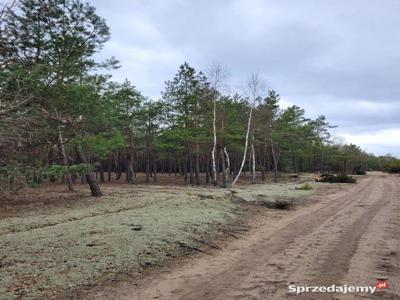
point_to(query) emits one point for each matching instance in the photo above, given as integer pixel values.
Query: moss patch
(47, 251)
(56, 251)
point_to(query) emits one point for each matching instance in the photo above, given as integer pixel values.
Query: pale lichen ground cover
(51, 251)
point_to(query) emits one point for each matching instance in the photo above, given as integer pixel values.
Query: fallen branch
(183, 245)
(235, 230)
(230, 233)
(240, 225)
(208, 243)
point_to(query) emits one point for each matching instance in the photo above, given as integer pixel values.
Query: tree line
(62, 118)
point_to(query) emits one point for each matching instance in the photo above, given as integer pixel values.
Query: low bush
(281, 204)
(326, 178)
(341, 178)
(304, 187)
(17, 177)
(358, 170)
(392, 166)
(344, 178)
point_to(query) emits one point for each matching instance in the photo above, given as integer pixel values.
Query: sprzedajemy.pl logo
(344, 289)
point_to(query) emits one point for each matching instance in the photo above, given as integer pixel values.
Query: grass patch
(276, 196)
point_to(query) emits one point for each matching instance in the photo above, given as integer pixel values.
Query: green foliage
(340, 178)
(184, 94)
(101, 145)
(392, 166)
(12, 178)
(359, 170)
(124, 101)
(55, 172)
(186, 97)
(16, 177)
(305, 187)
(49, 88)
(231, 115)
(61, 35)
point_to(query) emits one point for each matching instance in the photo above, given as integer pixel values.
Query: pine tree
(185, 96)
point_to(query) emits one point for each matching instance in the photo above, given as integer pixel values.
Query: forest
(218, 187)
(64, 119)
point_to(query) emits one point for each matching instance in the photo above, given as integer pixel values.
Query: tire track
(314, 244)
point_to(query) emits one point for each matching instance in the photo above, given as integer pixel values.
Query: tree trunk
(228, 164)
(294, 162)
(129, 167)
(264, 161)
(109, 169)
(147, 165)
(191, 179)
(83, 179)
(253, 165)
(94, 187)
(64, 159)
(175, 169)
(321, 168)
(130, 158)
(223, 164)
(275, 159)
(185, 169)
(154, 168)
(197, 165)
(245, 149)
(207, 169)
(213, 153)
(101, 167)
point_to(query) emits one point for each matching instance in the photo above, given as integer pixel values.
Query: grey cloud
(327, 56)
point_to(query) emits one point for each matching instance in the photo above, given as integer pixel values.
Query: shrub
(305, 187)
(341, 178)
(344, 178)
(358, 170)
(12, 178)
(327, 178)
(392, 166)
(281, 204)
(17, 177)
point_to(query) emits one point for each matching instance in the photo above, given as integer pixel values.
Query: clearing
(54, 243)
(348, 237)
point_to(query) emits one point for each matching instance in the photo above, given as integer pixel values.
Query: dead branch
(208, 243)
(7, 8)
(183, 245)
(230, 233)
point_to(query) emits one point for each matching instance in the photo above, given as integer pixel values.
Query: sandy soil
(348, 237)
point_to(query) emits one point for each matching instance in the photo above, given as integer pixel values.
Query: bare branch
(6, 8)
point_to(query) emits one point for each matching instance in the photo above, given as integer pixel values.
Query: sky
(339, 58)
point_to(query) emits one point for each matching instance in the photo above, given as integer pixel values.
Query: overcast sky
(340, 58)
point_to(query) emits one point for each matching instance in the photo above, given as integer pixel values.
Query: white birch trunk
(214, 168)
(253, 168)
(245, 149)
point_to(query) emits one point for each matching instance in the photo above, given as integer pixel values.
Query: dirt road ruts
(349, 237)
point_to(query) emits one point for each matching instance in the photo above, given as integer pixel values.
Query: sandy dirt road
(349, 237)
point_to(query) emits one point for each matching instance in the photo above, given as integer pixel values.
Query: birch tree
(216, 76)
(254, 85)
